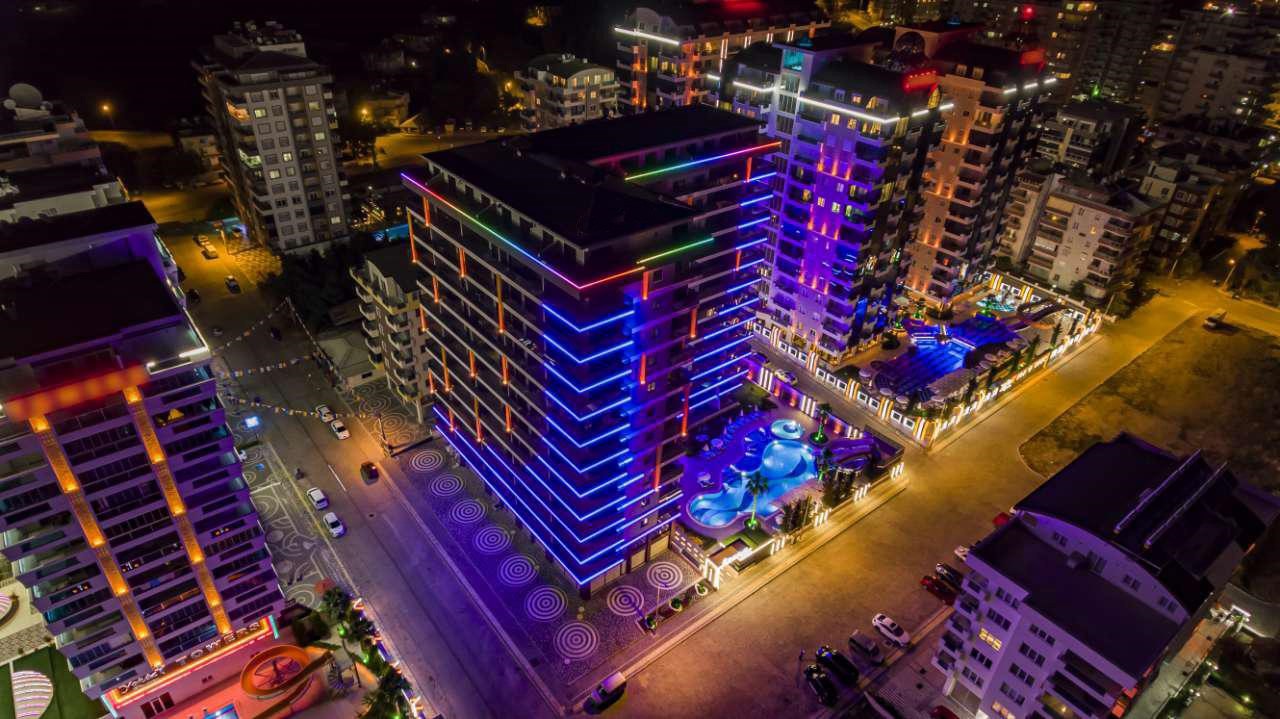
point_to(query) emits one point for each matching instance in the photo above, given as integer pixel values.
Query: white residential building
(562, 90)
(1071, 608)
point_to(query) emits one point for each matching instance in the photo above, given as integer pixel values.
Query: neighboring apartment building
(857, 123)
(50, 191)
(125, 509)
(272, 109)
(1031, 187)
(1064, 28)
(1072, 608)
(200, 140)
(586, 295)
(667, 52)
(1200, 193)
(394, 334)
(991, 131)
(1219, 83)
(114, 233)
(1090, 239)
(1097, 137)
(561, 90)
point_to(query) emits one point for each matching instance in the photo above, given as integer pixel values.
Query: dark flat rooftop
(52, 181)
(1122, 483)
(583, 204)
(1105, 617)
(80, 308)
(112, 218)
(394, 262)
(621, 135)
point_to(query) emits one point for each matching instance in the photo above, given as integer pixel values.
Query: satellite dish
(25, 95)
(9, 104)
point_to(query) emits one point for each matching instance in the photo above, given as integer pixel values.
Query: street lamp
(108, 110)
(1226, 282)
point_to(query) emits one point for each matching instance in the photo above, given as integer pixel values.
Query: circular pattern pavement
(446, 485)
(426, 461)
(625, 601)
(468, 511)
(374, 403)
(576, 640)
(517, 571)
(545, 603)
(491, 540)
(664, 575)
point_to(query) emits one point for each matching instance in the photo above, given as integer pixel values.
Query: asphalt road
(446, 645)
(400, 148)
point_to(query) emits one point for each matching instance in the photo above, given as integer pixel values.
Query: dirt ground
(1219, 391)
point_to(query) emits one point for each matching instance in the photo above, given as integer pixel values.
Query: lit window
(991, 639)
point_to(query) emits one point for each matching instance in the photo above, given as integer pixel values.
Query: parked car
(608, 691)
(962, 553)
(317, 497)
(242, 455)
(369, 472)
(938, 588)
(838, 664)
(949, 574)
(891, 630)
(941, 712)
(820, 684)
(326, 414)
(335, 525)
(339, 429)
(232, 284)
(785, 375)
(1216, 320)
(867, 645)
(198, 239)
(193, 297)
(209, 252)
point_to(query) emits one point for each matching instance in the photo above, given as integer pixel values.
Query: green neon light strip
(702, 161)
(674, 250)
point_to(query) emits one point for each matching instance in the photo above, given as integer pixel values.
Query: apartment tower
(272, 109)
(585, 294)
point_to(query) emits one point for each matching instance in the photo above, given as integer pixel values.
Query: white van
(609, 690)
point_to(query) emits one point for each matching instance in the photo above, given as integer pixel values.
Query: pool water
(780, 455)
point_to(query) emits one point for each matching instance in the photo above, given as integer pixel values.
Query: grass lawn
(1193, 389)
(68, 701)
(6, 694)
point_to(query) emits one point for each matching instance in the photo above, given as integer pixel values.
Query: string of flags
(288, 411)
(254, 328)
(273, 366)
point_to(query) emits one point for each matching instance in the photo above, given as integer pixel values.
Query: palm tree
(824, 411)
(757, 484)
(336, 603)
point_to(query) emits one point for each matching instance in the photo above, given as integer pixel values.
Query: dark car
(838, 664)
(938, 588)
(369, 472)
(949, 574)
(193, 297)
(820, 684)
(274, 332)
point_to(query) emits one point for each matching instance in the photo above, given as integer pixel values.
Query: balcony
(370, 329)
(368, 312)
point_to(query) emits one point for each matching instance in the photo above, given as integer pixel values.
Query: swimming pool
(780, 455)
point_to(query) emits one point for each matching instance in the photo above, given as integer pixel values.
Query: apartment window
(1046, 637)
(316, 120)
(273, 174)
(1031, 654)
(972, 676)
(1131, 583)
(998, 708)
(313, 105)
(1012, 693)
(157, 706)
(991, 639)
(312, 90)
(281, 126)
(335, 220)
(277, 111)
(260, 112)
(318, 136)
(1018, 672)
(1059, 539)
(998, 618)
(291, 171)
(1007, 597)
(286, 156)
(1167, 604)
(264, 128)
(979, 657)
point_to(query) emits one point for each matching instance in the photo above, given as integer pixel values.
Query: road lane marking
(335, 476)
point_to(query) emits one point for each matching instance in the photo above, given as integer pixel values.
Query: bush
(309, 629)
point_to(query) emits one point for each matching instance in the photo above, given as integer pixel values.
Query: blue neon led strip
(583, 360)
(752, 243)
(583, 445)
(588, 388)
(599, 323)
(721, 383)
(754, 200)
(719, 349)
(722, 365)
(589, 415)
(751, 223)
(765, 176)
(713, 397)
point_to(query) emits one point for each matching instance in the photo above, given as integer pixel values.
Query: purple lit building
(1071, 608)
(583, 292)
(122, 502)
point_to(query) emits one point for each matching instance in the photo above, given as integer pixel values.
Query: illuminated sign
(1032, 57)
(198, 657)
(917, 80)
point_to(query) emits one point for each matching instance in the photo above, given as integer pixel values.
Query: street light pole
(1226, 282)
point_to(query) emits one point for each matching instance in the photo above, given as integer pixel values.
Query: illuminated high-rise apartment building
(585, 293)
(122, 502)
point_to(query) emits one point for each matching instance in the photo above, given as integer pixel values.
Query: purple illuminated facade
(584, 296)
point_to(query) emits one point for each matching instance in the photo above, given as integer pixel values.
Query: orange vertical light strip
(737, 261)
(693, 323)
(471, 359)
(431, 383)
(426, 212)
(643, 365)
(452, 427)
(475, 407)
(413, 244)
(422, 319)
(505, 377)
(644, 287)
(502, 322)
(444, 364)
(462, 263)
(748, 167)
(508, 411)
(684, 420)
(435, 288)
(657, 468)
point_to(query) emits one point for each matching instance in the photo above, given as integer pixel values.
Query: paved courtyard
(399, 423)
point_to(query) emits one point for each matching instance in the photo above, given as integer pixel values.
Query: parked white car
(335, 525)
(318, 498)
(339, 429)
(326, 414)
(890, 630)
(962, 553)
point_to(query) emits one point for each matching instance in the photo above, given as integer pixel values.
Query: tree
(970, 389)
(1032, 346)
(1076, 291)
(836, 487)
(824, 411)
(1057, 334)
(336, 604)
(757, 484)
(797, 514)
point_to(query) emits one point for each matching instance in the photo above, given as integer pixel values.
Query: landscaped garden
(66, 701)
